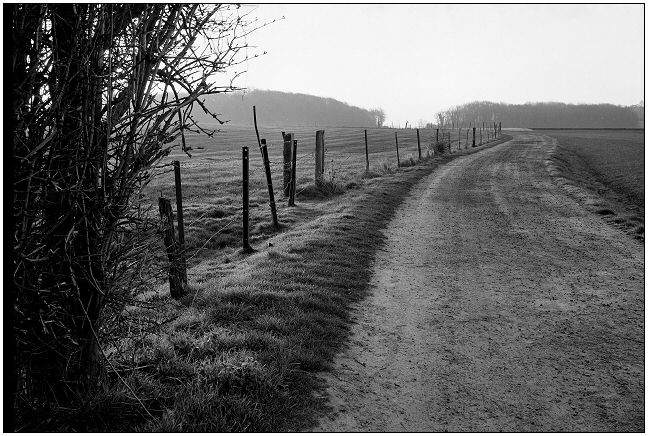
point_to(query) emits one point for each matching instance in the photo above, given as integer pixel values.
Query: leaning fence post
(178, 189)
(266, 164)
(287, 147)
(418, 142)
(293, 175)
(397, 156)
(177, 263)
(319, 157)
(366, 151)
(246, 200)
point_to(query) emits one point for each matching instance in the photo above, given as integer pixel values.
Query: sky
(416, 60)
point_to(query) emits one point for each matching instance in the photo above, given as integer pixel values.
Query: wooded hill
(275, 108)
(547, 114)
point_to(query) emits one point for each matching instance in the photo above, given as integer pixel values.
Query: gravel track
(499, 303)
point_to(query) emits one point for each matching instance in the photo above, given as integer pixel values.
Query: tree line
(545, 114)
(277, 108)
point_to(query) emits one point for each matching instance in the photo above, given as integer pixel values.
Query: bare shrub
(100, 92)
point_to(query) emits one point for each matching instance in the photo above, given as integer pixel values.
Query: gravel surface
(499, 303)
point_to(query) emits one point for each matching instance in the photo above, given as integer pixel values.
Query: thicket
(100, 92)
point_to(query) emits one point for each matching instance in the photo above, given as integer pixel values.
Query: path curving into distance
(498, 304)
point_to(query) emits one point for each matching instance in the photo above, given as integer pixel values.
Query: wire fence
(212, 177)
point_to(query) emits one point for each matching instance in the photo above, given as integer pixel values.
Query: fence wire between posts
(347, 156)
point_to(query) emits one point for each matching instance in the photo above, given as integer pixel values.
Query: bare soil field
(498, 302)
(606, 169)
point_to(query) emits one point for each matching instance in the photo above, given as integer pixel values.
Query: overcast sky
(414, 60)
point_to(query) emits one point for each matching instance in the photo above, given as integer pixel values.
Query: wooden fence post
(246, 200)
(397, 156)
(266, 164)
(319, 157)
(474, 128)
(366, 151)
(178, 189)
(287, 148)
(418, 142)
(293, 175)
(177, 263)
(459, 139)
(480, 136)
(437, 137)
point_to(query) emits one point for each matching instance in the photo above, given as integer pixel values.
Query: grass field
(611, 164)
(241, 351)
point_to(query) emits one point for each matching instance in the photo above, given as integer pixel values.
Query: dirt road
(498, 304)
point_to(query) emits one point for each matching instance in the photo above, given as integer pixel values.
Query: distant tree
(442, 118)
(379, 116)
(99, 93)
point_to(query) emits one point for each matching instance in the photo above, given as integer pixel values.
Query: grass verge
(241, 351)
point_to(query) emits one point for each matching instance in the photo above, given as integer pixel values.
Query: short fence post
(293, 175)
(246, 200)
(287, 147)
(397, 156)
(418, 142)
(366, 151)
(266, 164)
(319, 157)
(474, 128)
(178, 188)
(177, 263)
